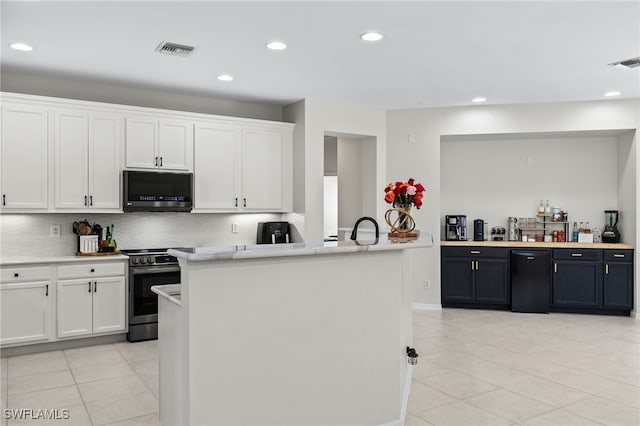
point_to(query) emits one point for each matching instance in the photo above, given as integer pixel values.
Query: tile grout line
(84, 404)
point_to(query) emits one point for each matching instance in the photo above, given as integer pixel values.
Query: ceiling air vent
(175, 49)
(628, 63)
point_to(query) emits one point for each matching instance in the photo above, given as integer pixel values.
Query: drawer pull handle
(618, 255)
(16, 275)
(93, 270)
(576, 254)
(475, 251)
(531, 258)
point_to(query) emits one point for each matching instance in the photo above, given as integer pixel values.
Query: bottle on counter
(547, 208)
(587, 228)
(574, 234)
(541, 208)
(581, 228)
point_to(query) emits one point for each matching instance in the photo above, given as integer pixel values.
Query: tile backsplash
(28, 234)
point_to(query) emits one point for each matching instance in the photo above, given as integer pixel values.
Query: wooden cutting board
(106, 253)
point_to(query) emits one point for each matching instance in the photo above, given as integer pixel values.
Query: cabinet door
(618, 285)
(175, 147)
(217, 167)
(71, 167)
(141, 139)
(25, 312)
(577, 284)
(105, 147)
(75, 307)
(24, 157)
(262, 170)
(108, 304)
(492, 281)
(457, 279)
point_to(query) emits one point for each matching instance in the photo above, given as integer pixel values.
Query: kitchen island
(312, 334)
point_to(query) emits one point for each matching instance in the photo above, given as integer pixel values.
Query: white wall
(28, 234)
(421, 159)
(313, 119)
(493, 179)
(82, 88)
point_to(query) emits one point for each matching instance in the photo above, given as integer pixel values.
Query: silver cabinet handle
(576, 254)
(606, 268)
(475, 252)
(473, 268)
(618, 255)
(477, 265)
(555, 267)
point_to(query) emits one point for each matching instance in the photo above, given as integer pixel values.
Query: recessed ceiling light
(225, 77)
(612, 93)
(478, 99)
(21, 46)
(371, 36)
(276, 45)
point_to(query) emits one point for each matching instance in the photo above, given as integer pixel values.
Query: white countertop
(171, 292)
(29, 260)
(425, 239)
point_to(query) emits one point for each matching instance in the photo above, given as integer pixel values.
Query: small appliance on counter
(478, 230)
(514, 230)
(498, 233)
(455, 227)
(611, 233)
(273, 233)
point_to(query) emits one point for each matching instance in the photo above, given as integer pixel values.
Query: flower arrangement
(404, 193)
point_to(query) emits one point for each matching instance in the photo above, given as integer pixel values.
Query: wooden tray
(106, 253)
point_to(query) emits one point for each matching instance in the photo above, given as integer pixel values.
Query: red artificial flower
(418, 203)
(389, 196)
(419, 187)
(411, 181)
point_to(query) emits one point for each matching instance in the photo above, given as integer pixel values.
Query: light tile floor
(476, 367)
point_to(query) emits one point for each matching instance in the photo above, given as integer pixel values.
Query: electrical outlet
(427, 284)
(234, 228)
(54, 231)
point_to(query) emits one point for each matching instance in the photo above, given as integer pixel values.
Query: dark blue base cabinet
(582, 280)
(476, 277)
(592, 281)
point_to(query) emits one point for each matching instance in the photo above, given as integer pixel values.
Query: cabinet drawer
(618, 255)
(498, 252)
(91, 270)
(577, 254)
(12, 275)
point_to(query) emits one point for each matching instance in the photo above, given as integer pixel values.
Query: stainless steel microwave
(157, 191)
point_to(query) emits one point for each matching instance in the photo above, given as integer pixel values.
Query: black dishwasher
(530, 280)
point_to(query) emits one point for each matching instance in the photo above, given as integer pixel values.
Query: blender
(610, 233)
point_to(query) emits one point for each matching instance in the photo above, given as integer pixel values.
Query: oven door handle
(153, 269)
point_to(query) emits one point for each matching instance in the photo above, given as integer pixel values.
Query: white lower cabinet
(26, 300)
(91, 304)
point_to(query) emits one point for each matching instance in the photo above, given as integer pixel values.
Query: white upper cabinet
(242, 168)
(159, 144)
(217, 167)
(25, 150)
(87, 161)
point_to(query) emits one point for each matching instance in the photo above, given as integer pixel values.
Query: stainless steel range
(147, 267)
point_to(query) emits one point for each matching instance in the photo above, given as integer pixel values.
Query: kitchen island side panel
(309, 340)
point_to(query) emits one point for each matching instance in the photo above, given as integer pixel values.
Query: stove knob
(141, 260)
(149, 260)
(134, 260)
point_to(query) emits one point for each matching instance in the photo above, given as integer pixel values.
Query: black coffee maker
(611, 233)
(455, 227)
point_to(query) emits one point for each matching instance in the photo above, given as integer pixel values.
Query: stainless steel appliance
(611, 233)
(273, 233)
(157, 192)
(514, 230)
(455, 227)
(478, 230)
(147, 267)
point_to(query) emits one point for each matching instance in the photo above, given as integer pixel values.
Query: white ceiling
(433, 54)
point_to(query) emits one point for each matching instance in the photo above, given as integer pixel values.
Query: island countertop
(424, 240)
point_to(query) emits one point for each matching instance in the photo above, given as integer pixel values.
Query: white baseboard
(426, 307)
(635, 314)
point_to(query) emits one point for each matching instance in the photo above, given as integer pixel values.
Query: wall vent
(629, 63)
(175, 49)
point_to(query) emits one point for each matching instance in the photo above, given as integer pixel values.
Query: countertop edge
(23, 260)
(163, 291)
(516, 244)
